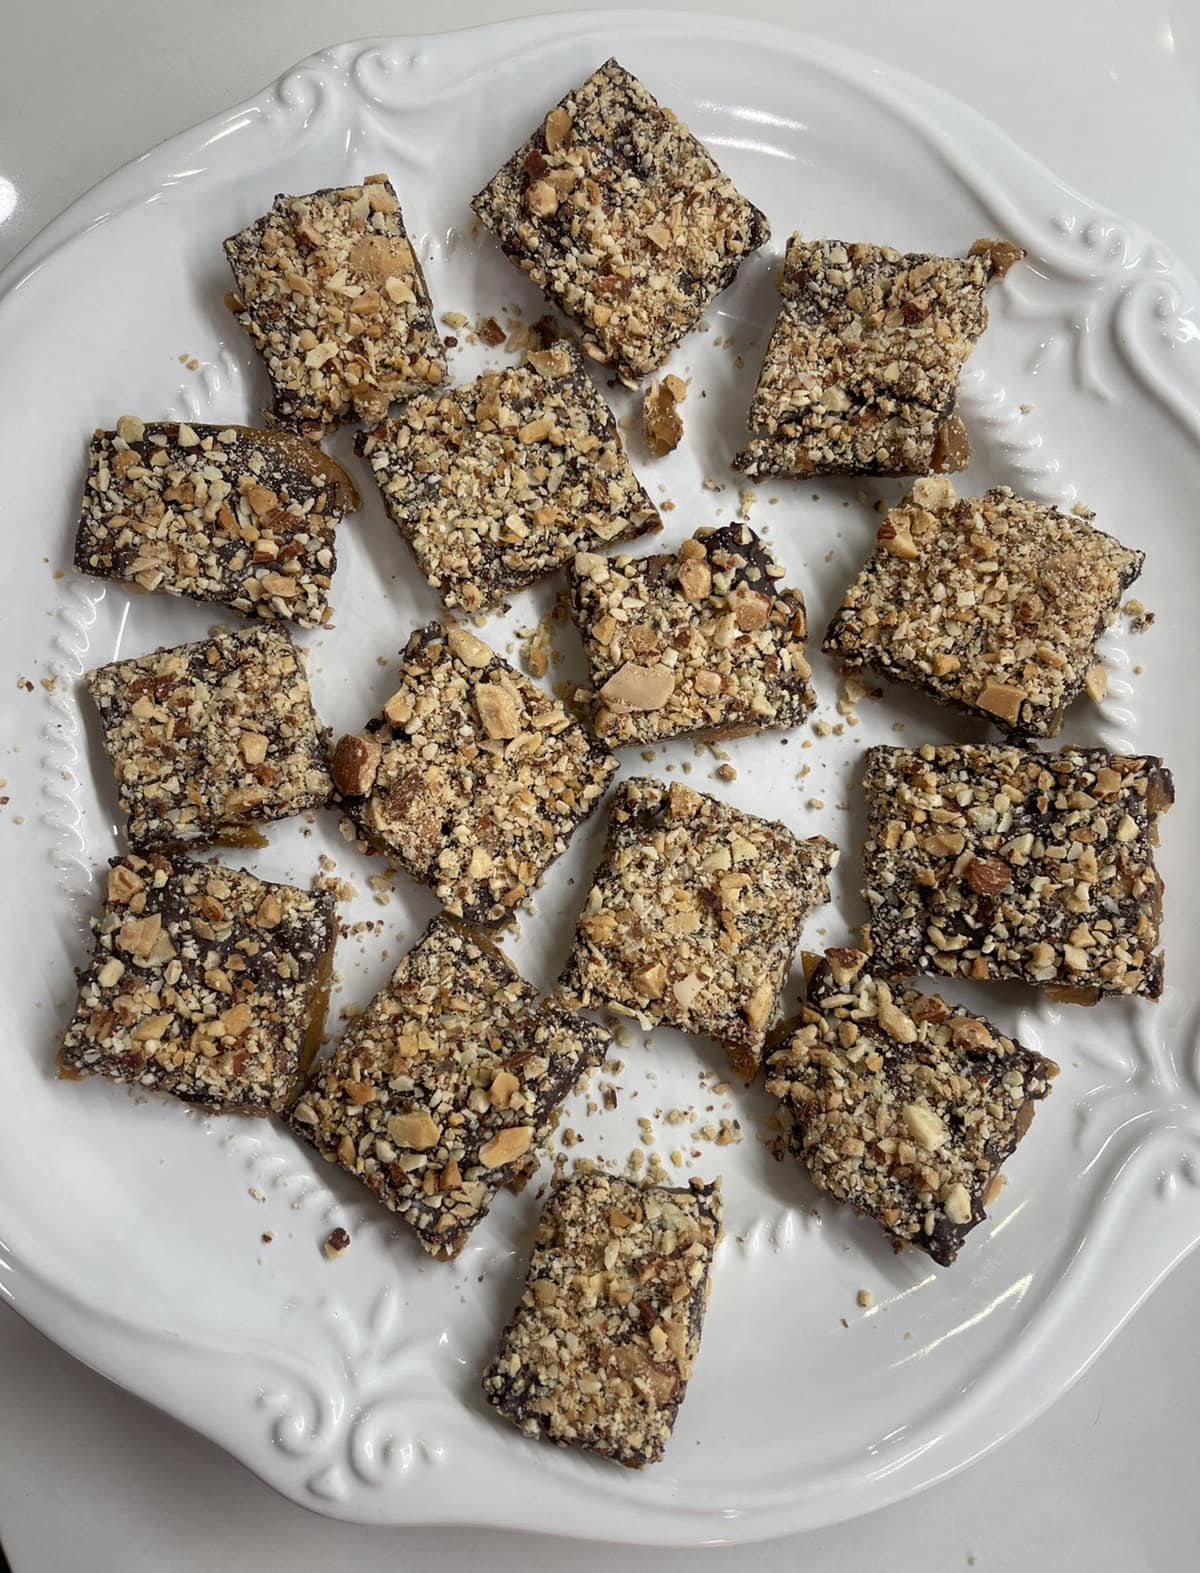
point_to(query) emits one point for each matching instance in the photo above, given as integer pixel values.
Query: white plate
(130, 1231)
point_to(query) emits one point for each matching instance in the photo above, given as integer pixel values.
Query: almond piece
(399, 708)
(557, 129)
(650, 980)
(924, 1126)
(507, 1145)
(254, 747)
(497, 711)
(504, 1084)
(415, 1131)
(1096, 683)
(957, 1204)
(895, 538)
(469, 650)
(988, 876)
(845, 964)
(356, 764)
(123, 884)
(751, 609)
(541, 199)
(695, 579)
(638, 688)
(1002, 699)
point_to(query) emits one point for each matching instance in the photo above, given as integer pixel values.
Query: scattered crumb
(1026, 409)
(815, 803)
(746, 500)
(726, 773)
(337, 1243)
(866, 1299)
(1139, 617)
(490, 331)
(256, 1194)
(662, 424)
(1095, 683)
(49, 684)
(267, 1238)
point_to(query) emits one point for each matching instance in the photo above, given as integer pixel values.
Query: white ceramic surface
(130, 1232)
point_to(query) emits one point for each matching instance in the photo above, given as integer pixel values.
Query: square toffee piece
(443, 1089)
(331, 292)
(219, 513)
(990, 862)
(473, 779)
(861, 371)
(991, 604)
(208, 739)
(623, 218)
(205, 983)
(694, 915)
(902, 1105)
(497, 483)
(604, 1339)
(707, 640)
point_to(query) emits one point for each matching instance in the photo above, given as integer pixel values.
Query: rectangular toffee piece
(205, 983)
(623, 218)
(473, 779)
(861, 371)
(497, 483)
(604, 1339)
(694, 915)
(208, 739)
(991, 604)
(331, 292)
(707, 640)
(219, 513)
(443, 1089)
(901, 1105)
(989, 862)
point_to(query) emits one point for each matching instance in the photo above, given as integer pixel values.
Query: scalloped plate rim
(648, 1523)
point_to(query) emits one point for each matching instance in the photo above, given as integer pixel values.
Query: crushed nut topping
(332, 294)
(694, 915)
(623, 218)
(207, 738)
(443, 1088)
(499, 482)
(910, 1127)
(604, 1339)
(466, 808)
(707, 641)
(218, 513)
(204, 982)
(988, 862)
(994, 606)
(861, 371)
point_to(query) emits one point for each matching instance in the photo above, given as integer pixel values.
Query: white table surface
(1106, 95)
